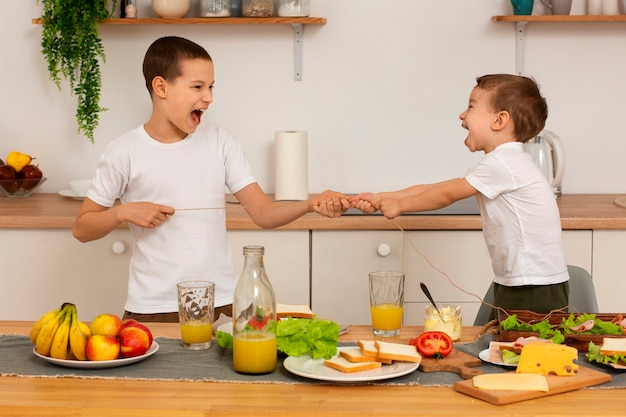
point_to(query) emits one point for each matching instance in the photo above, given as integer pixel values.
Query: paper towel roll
(292, 169)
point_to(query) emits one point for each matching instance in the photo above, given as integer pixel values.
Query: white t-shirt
(190, 176)
(520, 218)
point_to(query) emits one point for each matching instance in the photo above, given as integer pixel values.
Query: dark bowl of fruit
(20, 184)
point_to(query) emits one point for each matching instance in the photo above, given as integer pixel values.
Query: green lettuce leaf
(509, 357)
(317, 337)
(594, 355)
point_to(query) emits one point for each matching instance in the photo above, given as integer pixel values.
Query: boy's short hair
(521, 98)
(164, 56)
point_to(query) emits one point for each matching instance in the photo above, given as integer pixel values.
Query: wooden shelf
(212, 21)
(296, 22)
(560, 18)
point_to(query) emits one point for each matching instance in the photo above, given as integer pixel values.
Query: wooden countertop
(101, 397)
(578, 211)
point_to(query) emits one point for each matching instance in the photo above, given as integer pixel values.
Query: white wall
(384, 82)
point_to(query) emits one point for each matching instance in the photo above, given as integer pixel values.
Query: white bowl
(170, 9)
(80, 187)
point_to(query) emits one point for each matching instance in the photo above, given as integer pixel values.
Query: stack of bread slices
(372, 354)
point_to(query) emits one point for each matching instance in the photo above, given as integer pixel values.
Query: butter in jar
(448, 322)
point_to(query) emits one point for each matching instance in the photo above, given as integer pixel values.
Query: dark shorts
(536, 298)
(173, 317)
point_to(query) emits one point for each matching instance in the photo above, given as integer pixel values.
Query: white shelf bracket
(520, 29)
(297, 51)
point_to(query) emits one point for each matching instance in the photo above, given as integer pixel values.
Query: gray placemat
(173, 362)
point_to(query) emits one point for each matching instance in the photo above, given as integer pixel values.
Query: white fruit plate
(99, 364)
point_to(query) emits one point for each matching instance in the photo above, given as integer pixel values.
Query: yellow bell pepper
(18, 160)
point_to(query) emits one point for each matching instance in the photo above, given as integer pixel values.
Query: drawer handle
(118, 248)
(384, 249)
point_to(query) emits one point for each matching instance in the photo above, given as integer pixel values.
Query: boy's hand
(330, 204)
(145, 214)
(368, 203)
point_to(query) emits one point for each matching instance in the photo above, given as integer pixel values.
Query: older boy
(169, 175)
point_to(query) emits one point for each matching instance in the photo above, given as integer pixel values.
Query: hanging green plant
(73, 49)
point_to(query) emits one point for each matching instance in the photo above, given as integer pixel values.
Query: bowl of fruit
(18, 176)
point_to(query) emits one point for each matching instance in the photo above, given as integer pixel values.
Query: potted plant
(73, 49)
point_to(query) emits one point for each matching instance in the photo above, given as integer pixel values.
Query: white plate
(484, 355)
(100, 364)
(71, 194)
(315, 369)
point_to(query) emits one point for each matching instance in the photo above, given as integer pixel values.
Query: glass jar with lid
(257, 8)
(293, 8)
(215, 8)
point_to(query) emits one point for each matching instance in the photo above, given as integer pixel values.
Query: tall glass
(386, 302)
(195, 313)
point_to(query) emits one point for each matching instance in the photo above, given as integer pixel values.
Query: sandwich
(296, 311)
(611, 352)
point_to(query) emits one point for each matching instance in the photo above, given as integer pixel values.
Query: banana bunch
(60, 335)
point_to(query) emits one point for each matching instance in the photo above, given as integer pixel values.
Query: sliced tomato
(433, 344)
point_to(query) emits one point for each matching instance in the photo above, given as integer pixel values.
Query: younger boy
(520, 219)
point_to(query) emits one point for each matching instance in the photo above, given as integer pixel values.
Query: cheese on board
(511, 381)
(547, 358)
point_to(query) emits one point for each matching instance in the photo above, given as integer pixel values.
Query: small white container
(215, 8)
(170, 9)
(293, 8)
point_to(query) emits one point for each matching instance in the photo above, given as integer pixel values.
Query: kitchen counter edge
(578, 212)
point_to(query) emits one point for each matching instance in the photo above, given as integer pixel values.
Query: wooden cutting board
(457, 362)
(585, 377)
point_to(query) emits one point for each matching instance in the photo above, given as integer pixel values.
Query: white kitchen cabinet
(41, 269)
(286, 260)
(340, 263)
(609, 269)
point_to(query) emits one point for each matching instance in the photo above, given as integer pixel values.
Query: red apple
(133, 342)
(102, 348)
(8, 178)
(135, 323)
(30, 176)
(106, 324)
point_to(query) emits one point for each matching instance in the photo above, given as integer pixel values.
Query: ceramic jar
(170, 9)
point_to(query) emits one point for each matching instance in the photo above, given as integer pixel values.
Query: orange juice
(386, 317)
(254, 352)
(196, 332)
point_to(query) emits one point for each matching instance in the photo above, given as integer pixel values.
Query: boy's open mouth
(196, 115)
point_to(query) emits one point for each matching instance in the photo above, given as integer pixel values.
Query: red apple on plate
(29, 176)
(102, 348)
(135, 323)
(133, 342)
(8, 176)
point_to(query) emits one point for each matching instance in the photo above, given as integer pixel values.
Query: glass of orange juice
(386, 302)
(195, 313)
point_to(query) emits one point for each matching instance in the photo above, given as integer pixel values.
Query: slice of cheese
(547, 358)
(511, 381)
(342, 364)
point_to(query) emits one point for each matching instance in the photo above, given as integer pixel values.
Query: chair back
(582, 295)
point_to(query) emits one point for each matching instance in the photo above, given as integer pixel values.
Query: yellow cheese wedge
(511, 381)
(547, 358)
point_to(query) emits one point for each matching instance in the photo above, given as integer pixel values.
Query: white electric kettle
(547, 152)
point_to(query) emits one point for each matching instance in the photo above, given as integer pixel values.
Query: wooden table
(24, 396)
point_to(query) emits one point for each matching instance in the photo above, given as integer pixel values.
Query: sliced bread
(355, 354)
(398, 352)
(368, 348)
(342, 364)
(297, 311)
